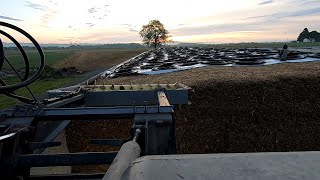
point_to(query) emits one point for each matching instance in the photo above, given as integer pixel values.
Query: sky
(200, 21)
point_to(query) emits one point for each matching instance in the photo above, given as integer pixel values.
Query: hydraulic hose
(30, 80)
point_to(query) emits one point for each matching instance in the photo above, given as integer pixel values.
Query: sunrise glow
(118, 21)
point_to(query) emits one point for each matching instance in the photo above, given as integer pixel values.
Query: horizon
(112, 22)
(27, 44)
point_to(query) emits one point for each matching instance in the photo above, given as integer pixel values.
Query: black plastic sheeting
(164, 60)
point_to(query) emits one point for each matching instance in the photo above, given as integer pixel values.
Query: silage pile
(282, 115)
(234, 109)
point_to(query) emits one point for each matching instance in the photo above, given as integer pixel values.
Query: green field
(38, 87)
(94, 59)
(51, 58)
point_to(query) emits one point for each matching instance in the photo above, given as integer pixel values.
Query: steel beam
(49, 114)
(39, 145)
(128, 98)
(66, 176)
(48, 131)
(66, 101)
(84, 158)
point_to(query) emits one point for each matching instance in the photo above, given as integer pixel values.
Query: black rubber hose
(5, 58)
(42, 60)
(23, 53)
(13, 95)
(1, 54)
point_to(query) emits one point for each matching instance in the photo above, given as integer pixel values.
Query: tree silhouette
(304, 34)
(154, 33)
(315, 35)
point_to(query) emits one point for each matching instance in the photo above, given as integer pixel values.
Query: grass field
(85, 60)
(51, 57)
(38, 87)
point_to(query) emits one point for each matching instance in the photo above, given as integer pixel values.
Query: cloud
(90, 24)
(266, 2)
(133, 30)
(303, 12)
(264, 27)
(252, 26)
(10, 18)
(92, 10)
(305, 2)
(105, 37)
(130, 27)
(217, 28)
(280, 15)
(99, 13)
(48, 16)
(68, 39)
(36, 6)
(262, 16)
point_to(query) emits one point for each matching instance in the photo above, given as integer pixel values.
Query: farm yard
(112, 90)
(233, 108)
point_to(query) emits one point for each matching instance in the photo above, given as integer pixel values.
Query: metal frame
(27, 130)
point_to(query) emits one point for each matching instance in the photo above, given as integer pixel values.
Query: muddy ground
(234, 109)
